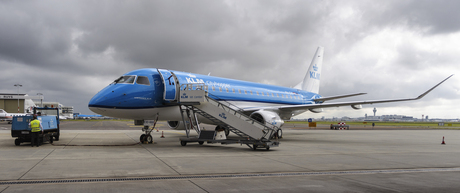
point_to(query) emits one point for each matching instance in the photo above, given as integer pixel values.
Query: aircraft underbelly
(165, 113)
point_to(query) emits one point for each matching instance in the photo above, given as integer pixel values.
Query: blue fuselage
(145, 89)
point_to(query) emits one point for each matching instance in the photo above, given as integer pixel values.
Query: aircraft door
(170, 87)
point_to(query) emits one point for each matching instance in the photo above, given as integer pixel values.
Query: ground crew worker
(36, 127)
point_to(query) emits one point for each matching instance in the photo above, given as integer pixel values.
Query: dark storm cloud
(432, 17)
(81, 46)
(438, 16)
(170, 34)
(33, 33)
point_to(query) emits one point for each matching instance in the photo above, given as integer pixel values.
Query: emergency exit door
(169, 82)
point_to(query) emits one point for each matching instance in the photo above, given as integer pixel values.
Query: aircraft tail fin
(311, 80)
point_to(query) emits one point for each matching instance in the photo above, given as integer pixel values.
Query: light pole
(18, 85)
(41, 99)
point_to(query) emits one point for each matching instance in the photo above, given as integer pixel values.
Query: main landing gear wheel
(226, 130)
(254, 147)
(200, 142)
(183, 143)
(278, 134)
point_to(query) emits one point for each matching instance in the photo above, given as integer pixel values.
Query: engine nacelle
(356, 107)
(176, 125)
(268, 118)
(320, 110)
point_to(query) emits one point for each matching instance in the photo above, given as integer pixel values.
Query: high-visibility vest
(35, 125)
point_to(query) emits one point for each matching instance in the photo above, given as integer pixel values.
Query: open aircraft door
(171, 86)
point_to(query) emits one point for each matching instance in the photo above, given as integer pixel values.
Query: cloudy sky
(69, 50)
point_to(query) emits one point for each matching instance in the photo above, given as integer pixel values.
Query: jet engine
(320, 110)
(268, 118)
(176, 125)
(356, 107)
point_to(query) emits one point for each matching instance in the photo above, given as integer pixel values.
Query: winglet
(425, 93)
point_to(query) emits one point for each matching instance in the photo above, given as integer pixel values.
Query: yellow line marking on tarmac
(100, 123)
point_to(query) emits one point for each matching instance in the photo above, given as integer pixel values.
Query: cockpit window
(125, 80)
(142, 80)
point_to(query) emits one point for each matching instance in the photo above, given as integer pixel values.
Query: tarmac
(105, 156)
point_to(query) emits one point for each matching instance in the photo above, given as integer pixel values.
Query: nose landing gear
(147, 137)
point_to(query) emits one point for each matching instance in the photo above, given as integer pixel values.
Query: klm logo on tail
(315, 68)
(314, 74)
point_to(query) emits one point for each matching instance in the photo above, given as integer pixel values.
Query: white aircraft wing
(354, 104)
(322, 99)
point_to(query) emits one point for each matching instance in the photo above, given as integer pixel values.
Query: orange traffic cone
(162, 136)
(443, 143)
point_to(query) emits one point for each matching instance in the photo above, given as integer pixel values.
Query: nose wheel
(147, 137)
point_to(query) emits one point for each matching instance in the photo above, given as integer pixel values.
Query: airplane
(5, 116)
(142, 94)
(81, 116)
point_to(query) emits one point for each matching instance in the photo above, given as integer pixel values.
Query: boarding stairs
(194, 100)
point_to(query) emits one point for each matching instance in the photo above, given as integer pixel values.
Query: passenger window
(233, 90)
(262, 93)
(220, 89)
(213, 88)
(143, 80)
(239, 91)
(226, 89)
(257, 92)
(245, 92)
(250, 92)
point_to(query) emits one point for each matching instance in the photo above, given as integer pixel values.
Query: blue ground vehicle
(50, 123)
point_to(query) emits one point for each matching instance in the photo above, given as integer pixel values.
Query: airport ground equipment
(21, 130)
(340, 126)
(193, 100)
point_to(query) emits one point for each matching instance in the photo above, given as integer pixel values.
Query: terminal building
(18, 103)
(23, 103)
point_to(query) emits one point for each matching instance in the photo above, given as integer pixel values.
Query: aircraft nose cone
(107, 97)
(98, 100)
